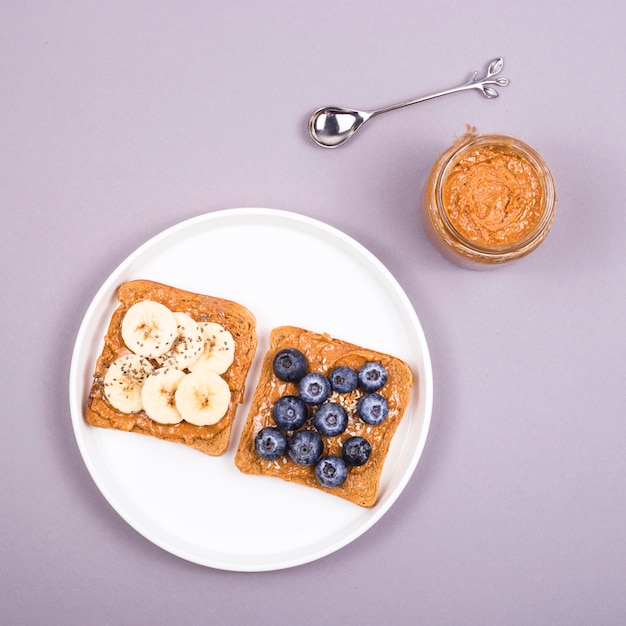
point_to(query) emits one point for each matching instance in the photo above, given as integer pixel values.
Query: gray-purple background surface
(120, 119)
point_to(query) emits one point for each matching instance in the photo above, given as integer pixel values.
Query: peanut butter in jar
(490, 200)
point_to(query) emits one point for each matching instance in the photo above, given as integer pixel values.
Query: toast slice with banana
(324, 413)
(173, 366)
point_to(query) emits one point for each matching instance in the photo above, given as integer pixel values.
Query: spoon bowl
(332, 126)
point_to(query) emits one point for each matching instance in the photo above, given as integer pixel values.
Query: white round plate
(288, 270)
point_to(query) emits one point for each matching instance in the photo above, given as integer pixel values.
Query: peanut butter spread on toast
(323, 354)
(212, 439)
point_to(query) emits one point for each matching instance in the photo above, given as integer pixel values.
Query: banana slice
(187, 346)
(202, 397)
(219, 349)
(123, 382)
(158, 395)
(149, 328)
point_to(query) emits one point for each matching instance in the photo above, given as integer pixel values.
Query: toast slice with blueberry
(173, 366)
(324, 413)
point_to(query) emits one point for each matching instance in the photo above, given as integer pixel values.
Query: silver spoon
(331, 127)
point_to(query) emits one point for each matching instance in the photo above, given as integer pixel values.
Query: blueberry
(305, 447)
(331, 471)
(290, 413)
(290, 365)
(372, 408)
(356, 451)
(330, 419)
(343, 379)
(372, 376)
(270, 443)
(314, 388)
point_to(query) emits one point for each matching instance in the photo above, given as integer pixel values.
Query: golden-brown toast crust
(324, 354)
(234, 317)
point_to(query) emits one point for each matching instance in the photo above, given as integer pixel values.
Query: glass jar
(490, 200)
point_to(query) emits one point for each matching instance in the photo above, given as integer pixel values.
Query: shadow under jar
(490, 200)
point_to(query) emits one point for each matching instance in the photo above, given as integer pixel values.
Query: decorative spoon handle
(483, 85)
